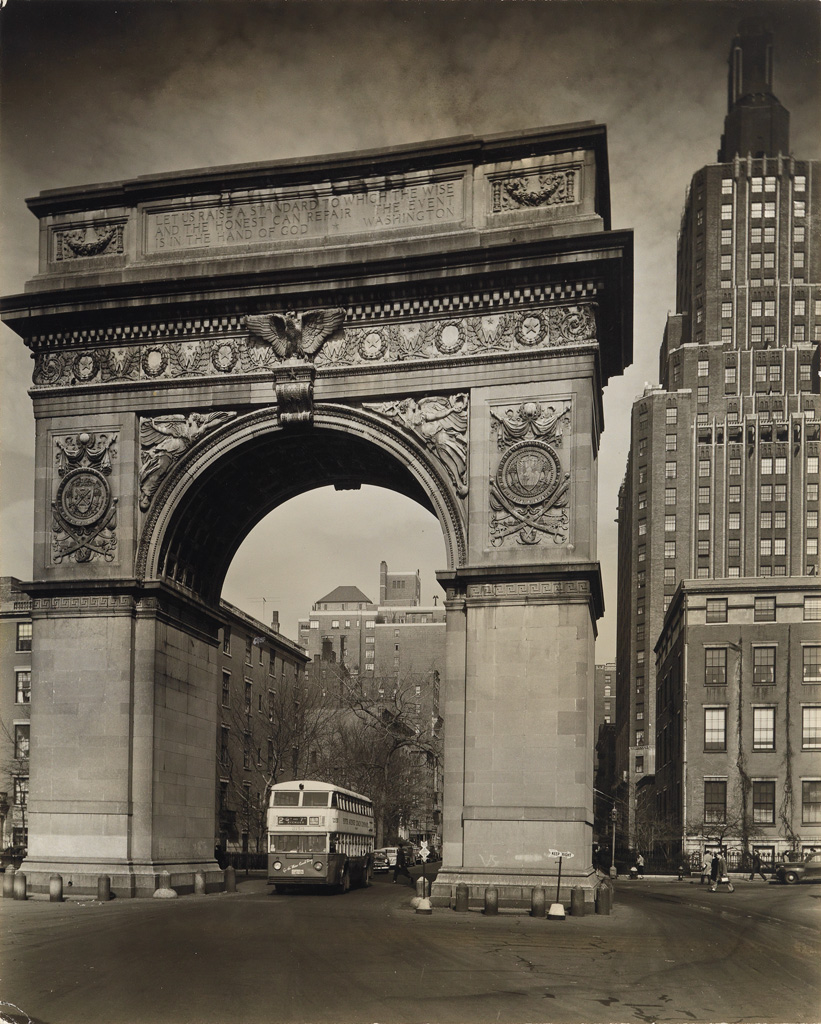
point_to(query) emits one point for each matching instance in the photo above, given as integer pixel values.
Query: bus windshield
(303, 843)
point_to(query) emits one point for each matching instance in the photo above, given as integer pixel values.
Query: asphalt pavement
(670, 951)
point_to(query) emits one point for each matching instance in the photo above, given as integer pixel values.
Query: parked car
(390, 854)
(380, 861)
(805, 869)
(12, 855)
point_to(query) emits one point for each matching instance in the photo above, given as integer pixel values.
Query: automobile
(390, 854)
(12, 856)
(380, 861)
(805, 869)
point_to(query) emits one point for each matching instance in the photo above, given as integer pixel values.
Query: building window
(671, 415)
(642, 446)
(766, 466)
(703, 368)
(763, 728)
(715, 729)
(670, 470)
(799, 208)
(812, 664)
(735, 466)
(766, 547)
(249, 646)
(734, 548)
(669, 575)
(755, 308)
(811, 728)
(704, 548)
(764, 802)
(704, 497)
(22, 687)
(780, 520)
(812, 609)
(727, 186)
(642, 503)
(669, 523)
(715, 800)
(764, 609)
(810, 801)
(715, 666)
(22, 740)
(703, 467)
(716, 609)
(226, 640)
(669, 549)
(21, 790)
(704, 518)
(734, 493)
(642, 527)
(23, 636)
(734, 521)
(766, 492)
(812, 464)
(670, 496)
(226, 689)
(764, 665)
(702, 395)
(639, 737)
(314, 624)
(671, 442)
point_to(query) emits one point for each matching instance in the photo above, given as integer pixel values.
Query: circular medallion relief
(154, 362)
(86, 366)
(372, 345)
(450, 339)
(224, 357)
(83, 497)
(528, 473)
(531, 329)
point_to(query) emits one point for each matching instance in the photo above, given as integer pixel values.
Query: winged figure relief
(296, 335)
(165, 439)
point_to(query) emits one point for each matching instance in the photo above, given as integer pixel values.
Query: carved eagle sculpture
(296, 335)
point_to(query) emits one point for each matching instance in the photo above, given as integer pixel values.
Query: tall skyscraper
(722, 475)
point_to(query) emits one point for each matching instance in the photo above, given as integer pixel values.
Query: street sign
(559, 853)
(424, 850)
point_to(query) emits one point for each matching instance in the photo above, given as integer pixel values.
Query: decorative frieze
(84, 512)
(538, 188)
(231, 347)
(530, 479)
(559, 588)
(88, 241)
(164, 440)
(441, 424)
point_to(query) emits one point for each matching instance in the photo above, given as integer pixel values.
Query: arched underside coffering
(227, 500)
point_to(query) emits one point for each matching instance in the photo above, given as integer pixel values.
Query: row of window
(763, 801)
(715, 728)
(717, 609)
(760, 210)
(764, 661)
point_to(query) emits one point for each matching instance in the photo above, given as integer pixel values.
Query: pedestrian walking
(705, 868)
(757, 867)
(718, 872)
(640, 866)
(401, 865)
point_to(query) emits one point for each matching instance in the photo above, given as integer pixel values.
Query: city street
(671, 951)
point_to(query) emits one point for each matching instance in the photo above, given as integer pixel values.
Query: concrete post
(104, 888)
(422, 887)
(491, 901)
(462, 896)
(199, 883)
(55, 889)
(538, 902)
(8, 882)
(230, 879)
(604, 899)
(577, 901)
(20, 886)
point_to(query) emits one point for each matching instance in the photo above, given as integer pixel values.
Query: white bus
(319, 834)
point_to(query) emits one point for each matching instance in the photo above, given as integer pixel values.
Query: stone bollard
(462, 896)
(103, 888)
(538, 903)
(422, 887)
(199, 883)
(230, 879)
(491, 901)
(20, 886)
(55, 889)
(165, 892)
(604, 899)
(8, 882)
(577, 901)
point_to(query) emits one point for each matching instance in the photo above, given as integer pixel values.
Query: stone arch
(192, 531)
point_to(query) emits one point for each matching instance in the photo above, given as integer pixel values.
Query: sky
(102, 91)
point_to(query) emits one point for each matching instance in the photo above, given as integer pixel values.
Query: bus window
(311, 798)
(297, 843)
(284, 799)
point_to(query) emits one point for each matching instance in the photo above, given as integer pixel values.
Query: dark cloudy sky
(98, 91)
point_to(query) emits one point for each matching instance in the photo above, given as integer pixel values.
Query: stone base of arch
(518, 711)
(128, 878)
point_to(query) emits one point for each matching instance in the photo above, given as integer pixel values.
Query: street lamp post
(613, 816)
